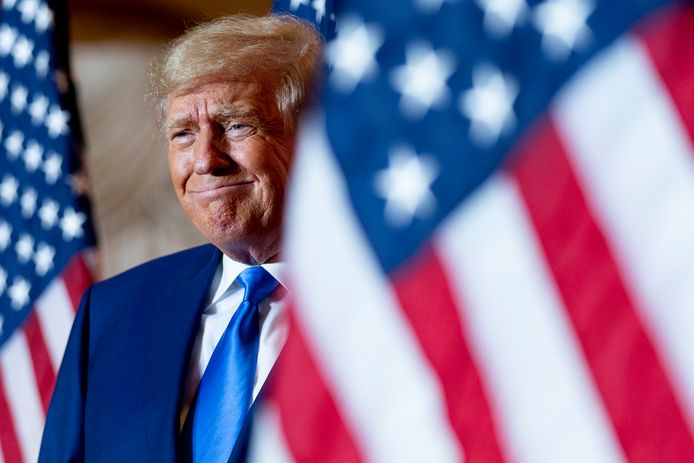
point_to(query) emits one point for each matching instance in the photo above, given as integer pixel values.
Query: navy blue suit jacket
(119, 390)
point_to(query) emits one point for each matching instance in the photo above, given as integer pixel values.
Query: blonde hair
(280, 51)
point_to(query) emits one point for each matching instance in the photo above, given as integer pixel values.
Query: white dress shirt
(225, 297)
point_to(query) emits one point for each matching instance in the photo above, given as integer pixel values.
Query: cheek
(179, 170)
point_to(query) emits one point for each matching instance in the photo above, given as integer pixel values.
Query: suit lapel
(174, 325)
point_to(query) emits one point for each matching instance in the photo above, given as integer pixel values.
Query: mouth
(217, 188)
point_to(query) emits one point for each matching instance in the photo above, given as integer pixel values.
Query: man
(164, 360)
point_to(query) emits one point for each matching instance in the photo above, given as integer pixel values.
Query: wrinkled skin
(229, 159)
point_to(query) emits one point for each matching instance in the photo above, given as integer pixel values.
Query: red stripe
(669, 39)
(40, 358)
(625, 367)
(8, 436)
(77, 278)
(427, 301)
(311, 423)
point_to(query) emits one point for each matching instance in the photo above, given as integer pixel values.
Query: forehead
(209, 99)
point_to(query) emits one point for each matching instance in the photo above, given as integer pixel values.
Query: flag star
(72, 223)
(8, 4)
(48, 213)
(52, 167)
(4, 85)
(18, 99)
(3, 280)
(56, 121)
(5, 234)
(44, 18)
(32, 156)
(422, 79)
(22, 51)
(562, 24)
(8, 190)
(24, 248)
(489, 105)
(19, 293)
(431, 6)
(500, 16)
(406, 186)
(28, 8)
(295, 4)
(8, 35)
(319, 6)
(43, 259)
(352, 54)
(28, 202)
(41, 63)
(13, 144)
(38, 109)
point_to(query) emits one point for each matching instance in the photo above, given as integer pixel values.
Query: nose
(210, 155)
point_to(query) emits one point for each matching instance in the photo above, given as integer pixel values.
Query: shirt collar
(230, 269)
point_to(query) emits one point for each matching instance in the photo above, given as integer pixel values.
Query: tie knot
(257, 283)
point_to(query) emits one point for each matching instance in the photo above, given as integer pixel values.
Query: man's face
(229, 160)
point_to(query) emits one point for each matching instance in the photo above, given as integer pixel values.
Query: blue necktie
(226, 388)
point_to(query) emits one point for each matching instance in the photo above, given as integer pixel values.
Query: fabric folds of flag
(45, 230)
(489, 235)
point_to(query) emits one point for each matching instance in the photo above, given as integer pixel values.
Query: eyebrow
(225, 114)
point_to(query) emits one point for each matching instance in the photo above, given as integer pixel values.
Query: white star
(406, 186)
(71, 224)
(295, 4)
(28, 202)
(24, 248)
(43, 259)
(22, 51)
(38, 108)
(48, 213)
(500, 16)
(52, 167)
(4, 85)
(8, 35)
(41, 63)
(489, 105)
(563, 26)
(44, 18)
(422, 79)
(3, 280)
(431, 6)
(319, 6)
(5, 234)
(18, 99)
(8, 4)
(19, 293)
(32, 156)
(13, 144)
(28, 9)
(56, 121)
(8, 190)
(352, 54)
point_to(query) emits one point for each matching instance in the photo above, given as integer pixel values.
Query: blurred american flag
(45, 228)
(490, 237)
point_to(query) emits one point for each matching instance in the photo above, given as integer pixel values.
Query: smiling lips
(214, 188)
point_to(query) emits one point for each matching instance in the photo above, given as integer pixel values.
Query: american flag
(490, 235)
(44, 221)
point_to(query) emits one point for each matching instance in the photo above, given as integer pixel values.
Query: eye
(238, 130)
(181, 138)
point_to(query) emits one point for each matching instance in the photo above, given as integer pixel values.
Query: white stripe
(370, 359)
(55, 315)
(22, 394)
(539, 384)
(268, 444)
(636, 164)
